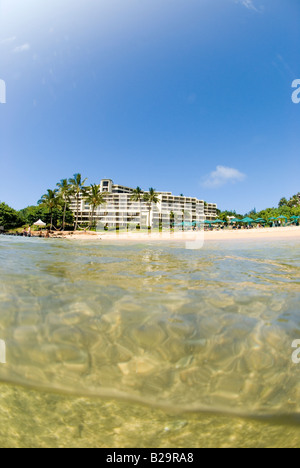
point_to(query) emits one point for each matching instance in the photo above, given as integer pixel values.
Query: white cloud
(221, 176)
(22, 48)
(8, 40)
(248, 4)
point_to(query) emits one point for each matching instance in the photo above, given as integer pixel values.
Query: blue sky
(189, 96)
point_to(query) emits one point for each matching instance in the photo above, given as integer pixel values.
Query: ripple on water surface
(208, 330)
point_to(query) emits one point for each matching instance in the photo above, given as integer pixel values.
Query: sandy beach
(281, 233)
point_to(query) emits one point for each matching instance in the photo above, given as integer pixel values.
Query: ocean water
(149, 345)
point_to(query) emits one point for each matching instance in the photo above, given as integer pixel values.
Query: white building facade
(120, 211)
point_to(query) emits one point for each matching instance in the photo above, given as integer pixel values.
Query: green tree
(252, 214)
(150, 198)
(282, 202)
(94, 198)
(293, 202)
(65, 192)
(10, 218)
(172, 219)
(137, 196)
(225, 215)
(32, 213)
(51, 201)
(77, 189)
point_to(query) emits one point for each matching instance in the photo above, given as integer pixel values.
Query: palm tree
(150, 198)
(283, 202)
(172, 219)
(293, 202)
(50, 201)
(94, 198)
(77, 188)
(65, 193)
(137, 197)
(183, 214)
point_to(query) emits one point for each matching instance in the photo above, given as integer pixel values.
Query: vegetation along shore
(53, 209)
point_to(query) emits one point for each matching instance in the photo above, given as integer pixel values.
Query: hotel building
(120, 211)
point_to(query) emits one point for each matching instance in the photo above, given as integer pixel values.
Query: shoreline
(281, 233)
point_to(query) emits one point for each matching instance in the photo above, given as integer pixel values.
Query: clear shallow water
(102, 339)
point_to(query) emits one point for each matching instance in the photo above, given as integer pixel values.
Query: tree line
(53, 208)
(286, 207)
(60, 198)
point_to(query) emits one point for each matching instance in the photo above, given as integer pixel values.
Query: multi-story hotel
(119, 210)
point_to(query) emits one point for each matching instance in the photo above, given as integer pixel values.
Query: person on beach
(29, 232)
(24, 233)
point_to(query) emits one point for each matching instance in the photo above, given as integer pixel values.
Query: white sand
(280, 233)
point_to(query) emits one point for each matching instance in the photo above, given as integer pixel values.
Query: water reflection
(193, 331)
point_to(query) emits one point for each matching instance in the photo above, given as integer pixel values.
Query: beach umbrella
(185, 223)
(260, 220)
(208, 222)
(247, 220)
(188, 223)
(284, 218)
(272, 219)
(40, 223)
(198, 223)
(218, 221)
(235, 220)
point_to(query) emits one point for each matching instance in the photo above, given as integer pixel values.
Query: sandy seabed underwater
(149, 345)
